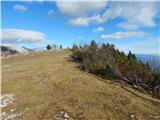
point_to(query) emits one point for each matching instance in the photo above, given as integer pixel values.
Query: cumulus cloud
(85, 21)
(21, 36)
(20, 7)
(99, 29)
(79, 22)
(120, 35)
(76, 8)
(135, 15)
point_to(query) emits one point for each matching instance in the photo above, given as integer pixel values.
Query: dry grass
(46, 84)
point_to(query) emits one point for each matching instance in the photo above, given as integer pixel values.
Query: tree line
(110, 63)
(50, 47)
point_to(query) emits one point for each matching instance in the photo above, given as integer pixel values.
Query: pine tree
(60, 46)
(49, 47)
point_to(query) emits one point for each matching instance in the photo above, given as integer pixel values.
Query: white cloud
(120, 35)
(85, 21)
(20, 7)
(135, 15)
(99, 29)
(20, 36)
(79, 22)
(128, 26)
(81, 8)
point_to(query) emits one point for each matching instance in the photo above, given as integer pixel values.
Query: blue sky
(129, 25)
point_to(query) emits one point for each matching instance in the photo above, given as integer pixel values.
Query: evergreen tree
(109, 62)
(74, 47)
(49, 47)
(147, 65)
(60, 46)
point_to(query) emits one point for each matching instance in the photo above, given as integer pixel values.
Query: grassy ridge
(46, 84)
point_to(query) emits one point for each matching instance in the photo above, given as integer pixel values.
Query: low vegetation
(110, 63)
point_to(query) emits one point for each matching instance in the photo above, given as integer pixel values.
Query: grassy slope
(46, 84)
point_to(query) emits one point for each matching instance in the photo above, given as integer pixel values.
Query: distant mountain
(153, 60)
(28, 49)
(8, 49)
(39, 49)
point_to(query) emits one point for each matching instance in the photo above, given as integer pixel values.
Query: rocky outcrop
(157, 91)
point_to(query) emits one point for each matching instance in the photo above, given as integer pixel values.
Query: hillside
(46, 86)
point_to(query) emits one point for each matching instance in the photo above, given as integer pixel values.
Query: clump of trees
(49, 47)
(60, 47)
(110, 63)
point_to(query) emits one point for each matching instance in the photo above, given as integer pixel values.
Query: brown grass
(46, 84)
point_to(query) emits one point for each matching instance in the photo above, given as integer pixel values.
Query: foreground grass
(46, 84)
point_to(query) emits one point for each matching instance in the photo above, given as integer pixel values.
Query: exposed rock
(6, 99)
(132, 117)
(154, 116)
(157, 91)
(62, 116)
(10, 116)
(66, 115)
(69, 59)
(12, 110)
(116, 108)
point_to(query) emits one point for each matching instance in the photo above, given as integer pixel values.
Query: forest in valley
(108, 62)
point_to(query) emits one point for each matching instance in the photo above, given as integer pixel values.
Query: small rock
(154, 116)
(132, 117)
(65, 87)
(6, 99)
(62, 112)
(157, 91)
(13, 110)
(3, 113)
(66, 115)
(10, 116)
